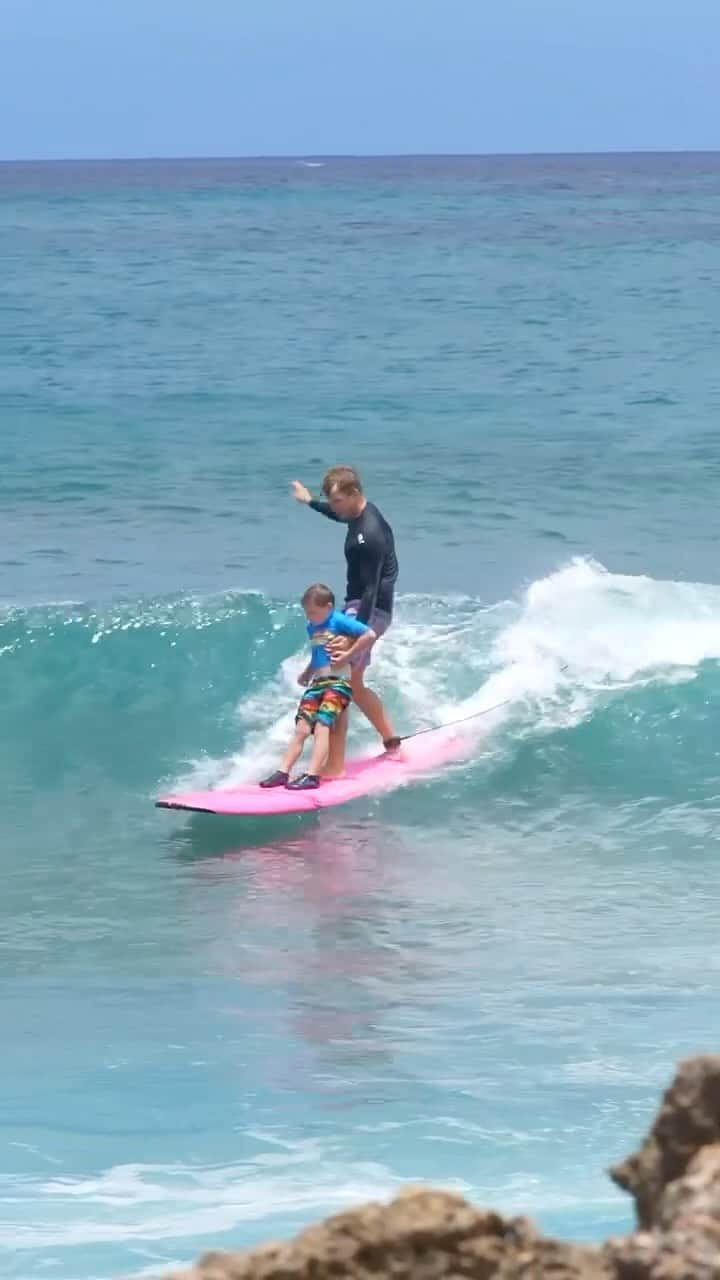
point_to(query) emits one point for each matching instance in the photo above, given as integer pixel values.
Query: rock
(689, 1118)
(685, 1242)
(432, 1235)
(420, 1235)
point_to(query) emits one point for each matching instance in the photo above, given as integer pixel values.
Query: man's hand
(300, 493)
(337, 647)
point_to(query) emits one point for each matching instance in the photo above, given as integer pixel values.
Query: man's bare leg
(335, 763)
(370, 705)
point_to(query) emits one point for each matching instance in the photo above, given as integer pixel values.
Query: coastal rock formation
(675, 1180)
(433, 1235)
(421, 1234)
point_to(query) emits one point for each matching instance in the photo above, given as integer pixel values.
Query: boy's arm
(304, 677)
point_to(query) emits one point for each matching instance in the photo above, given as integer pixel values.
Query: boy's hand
(299, 492)
(304, 679)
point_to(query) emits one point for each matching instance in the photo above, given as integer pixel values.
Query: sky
(136, 78)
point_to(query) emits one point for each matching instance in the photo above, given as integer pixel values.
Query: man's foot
(277, 779)
(305, 782)
(392, 744)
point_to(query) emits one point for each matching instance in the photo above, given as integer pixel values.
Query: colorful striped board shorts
(324, 700)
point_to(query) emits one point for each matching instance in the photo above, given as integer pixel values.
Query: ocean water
(215, 1031)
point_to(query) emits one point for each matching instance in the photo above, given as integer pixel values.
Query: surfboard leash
(475, 715)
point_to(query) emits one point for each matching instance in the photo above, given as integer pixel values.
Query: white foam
(615, 626)
(134, 1203)
(153, 1208)
(541, 662)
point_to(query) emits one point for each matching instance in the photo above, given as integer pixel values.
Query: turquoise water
(214, 1031)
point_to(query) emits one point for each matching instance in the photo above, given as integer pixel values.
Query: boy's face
(317, 613)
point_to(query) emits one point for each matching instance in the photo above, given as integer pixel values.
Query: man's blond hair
(344, 479)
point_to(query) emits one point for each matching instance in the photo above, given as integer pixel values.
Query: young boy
(328, 691)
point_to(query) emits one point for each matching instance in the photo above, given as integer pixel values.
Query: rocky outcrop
(421, 1235)
(433, 1235)
(675, 1180)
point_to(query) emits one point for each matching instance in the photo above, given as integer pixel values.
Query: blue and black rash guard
(372, 566)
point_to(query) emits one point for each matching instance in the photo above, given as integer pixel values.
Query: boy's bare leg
(320, 749)
(295, 750)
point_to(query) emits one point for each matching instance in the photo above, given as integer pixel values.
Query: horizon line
(360, 155)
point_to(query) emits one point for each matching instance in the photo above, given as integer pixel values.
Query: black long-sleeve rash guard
(372, 566)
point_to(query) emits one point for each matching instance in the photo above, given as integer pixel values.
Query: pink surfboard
(383, 772)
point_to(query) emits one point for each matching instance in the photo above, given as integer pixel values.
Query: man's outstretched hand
(299, 492)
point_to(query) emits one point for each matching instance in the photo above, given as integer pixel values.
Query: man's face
(345, 505)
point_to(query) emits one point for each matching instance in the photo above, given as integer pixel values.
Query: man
(372, 571)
